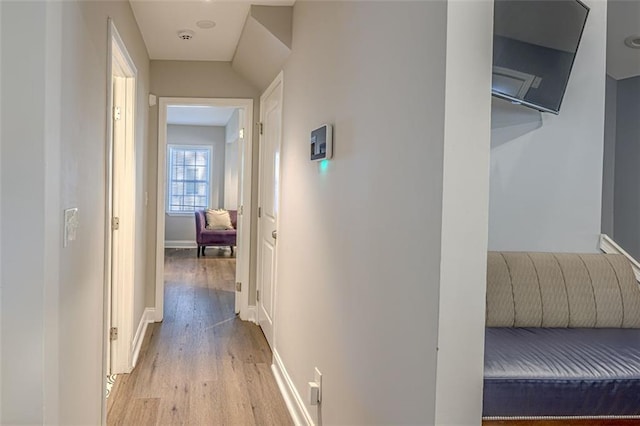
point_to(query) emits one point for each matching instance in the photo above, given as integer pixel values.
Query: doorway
(217, 197)
(120, 206)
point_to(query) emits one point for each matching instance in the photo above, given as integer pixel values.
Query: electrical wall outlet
(314, 392)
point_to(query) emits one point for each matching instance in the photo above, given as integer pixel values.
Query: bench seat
(561, 372)
(563, 336)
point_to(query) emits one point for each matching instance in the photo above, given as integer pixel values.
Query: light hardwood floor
(201, 365)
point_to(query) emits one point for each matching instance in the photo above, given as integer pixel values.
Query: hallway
(201, 365)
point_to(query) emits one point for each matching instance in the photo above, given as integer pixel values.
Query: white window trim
(168, 185)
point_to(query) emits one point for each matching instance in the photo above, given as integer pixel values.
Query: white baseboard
(295, 404)
(149, 315)
(252, 314)
(158, 315)
(180, 244)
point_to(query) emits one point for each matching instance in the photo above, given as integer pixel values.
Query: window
(189, 179)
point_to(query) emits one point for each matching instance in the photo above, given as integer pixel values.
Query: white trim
(160, 209)
(251, 314)
(178, 244)
(607, 245)
(125, 58)
(108, 204)
(148, 316)
(245, 211)
(243, 267)
(295, 404)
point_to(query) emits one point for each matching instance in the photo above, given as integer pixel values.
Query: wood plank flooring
(201, 365)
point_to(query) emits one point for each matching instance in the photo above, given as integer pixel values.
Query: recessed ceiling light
(633, 41)
(186, 34)
(205, 24)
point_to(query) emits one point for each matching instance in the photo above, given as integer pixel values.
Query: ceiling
(198, 115)
(161, 20)
(623, 21)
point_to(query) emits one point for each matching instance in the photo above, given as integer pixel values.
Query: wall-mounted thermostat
(322, 143)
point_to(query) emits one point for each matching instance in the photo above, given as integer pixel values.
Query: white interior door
(118, 178)
(270, 141)
(123, 226)
(121, 209)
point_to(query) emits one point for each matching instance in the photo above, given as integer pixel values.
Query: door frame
(243, 268)
(119, 257)
(279, 80)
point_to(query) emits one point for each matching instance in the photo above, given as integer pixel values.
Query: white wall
(465, 211)
(182, 228)
(359, 244)
(53, 202)
(83, 119)
(232, 129)
(23, 232)
(609, 154)
(264, 44)
(546, 170)
(54, 150)
(83, 162)
(627, 173)
(231, 162)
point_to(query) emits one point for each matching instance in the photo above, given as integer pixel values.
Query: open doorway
(204, 162)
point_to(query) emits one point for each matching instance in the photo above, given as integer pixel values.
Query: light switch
(70, 225)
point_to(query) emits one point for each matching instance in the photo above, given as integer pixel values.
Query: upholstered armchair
(215, 237)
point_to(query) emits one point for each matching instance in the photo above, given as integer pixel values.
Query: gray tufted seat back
(561, 290)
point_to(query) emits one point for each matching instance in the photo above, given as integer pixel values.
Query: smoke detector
(633, 41)
(186, 34)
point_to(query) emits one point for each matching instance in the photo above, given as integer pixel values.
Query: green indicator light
(324, 165)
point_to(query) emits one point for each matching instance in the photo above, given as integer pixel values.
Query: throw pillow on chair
(218, 219)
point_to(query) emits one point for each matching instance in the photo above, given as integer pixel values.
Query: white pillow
(218, 219)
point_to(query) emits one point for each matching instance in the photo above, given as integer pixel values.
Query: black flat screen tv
(534, 47)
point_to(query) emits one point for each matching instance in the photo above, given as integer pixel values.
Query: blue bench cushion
(561, 372)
